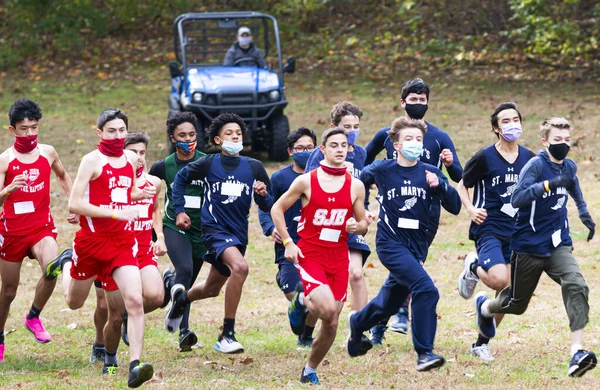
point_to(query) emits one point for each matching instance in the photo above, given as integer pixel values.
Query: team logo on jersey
(427, 154)
(560, 203)
(509, 191)
(409, 203)
(333, 217)
(31, 175)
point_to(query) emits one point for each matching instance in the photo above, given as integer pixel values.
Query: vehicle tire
(279, 127)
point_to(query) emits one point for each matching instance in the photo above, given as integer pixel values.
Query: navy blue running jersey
(406, 201)
(494, 180)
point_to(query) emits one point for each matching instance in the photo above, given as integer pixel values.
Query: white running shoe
(228, 345)
(483, 351)
(468, 280)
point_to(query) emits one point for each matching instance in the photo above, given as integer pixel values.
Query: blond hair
(547, 124)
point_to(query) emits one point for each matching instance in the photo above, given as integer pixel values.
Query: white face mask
(244, 41)
(231, 147)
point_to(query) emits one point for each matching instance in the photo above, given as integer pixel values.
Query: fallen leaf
(325, 363)
(468, 375)
(247, 360)
(210, 362)
(157, 377)
(72, 325)
(63, 373)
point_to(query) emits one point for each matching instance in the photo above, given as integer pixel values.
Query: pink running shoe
(1, 353)
(35, 326)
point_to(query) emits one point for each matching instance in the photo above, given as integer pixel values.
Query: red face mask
(139, 171)
(25, 144)
(112, 147)
(334, 171)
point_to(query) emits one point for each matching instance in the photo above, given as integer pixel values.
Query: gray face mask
(244, 41)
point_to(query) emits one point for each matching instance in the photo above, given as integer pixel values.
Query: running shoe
(98, 354)
(467, 281)
(399, 322)
(55, 267)
(378, 334)
(168, 278)
(175, 313)
(485, 325)
(228, 344)
(124, 335)
(35, 326)
(310, 378)
(428, 361)
(141, 373)
(297, 312)
(187, 339)
(110, 369)
(357, 344)
(483, 352)
(582, 362)
(305, 341)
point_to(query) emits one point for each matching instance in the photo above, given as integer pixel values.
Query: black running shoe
(141, 373)
(310, 378)
(428, 361)
(124, 335)
(168, 278)
(582, 362)
(98, 354)
(187, 339)
(110, 369)
(55, 267)
(175, 313)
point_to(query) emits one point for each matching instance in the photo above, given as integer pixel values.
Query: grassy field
(531, 351)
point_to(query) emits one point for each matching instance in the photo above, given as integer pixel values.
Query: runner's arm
(376, 145)
(528, 189)
(449, 196)
(160, 248)
(59, 170)
(260, 174)
(455, 170)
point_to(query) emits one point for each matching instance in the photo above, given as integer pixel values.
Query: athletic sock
(2, 336)
(309, 370)
(110, 358)
(98, 346)
(481, 340)
(33, 312)
(575, 348)
(473, 267)
(308, 331)
(133, 364)
(228, 325)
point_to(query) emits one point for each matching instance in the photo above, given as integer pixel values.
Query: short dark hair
(501, 107)
(299, 133)
(343, 109)
(331, 132)
(109, 115)
(24, 109)
(179, 118)
(223, 119)
(417, 86)
(402, 123)
(136, 138)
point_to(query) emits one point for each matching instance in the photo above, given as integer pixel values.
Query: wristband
(160, 235)
(546, 186)
(286, 241)
(114, 216)
(5, 192)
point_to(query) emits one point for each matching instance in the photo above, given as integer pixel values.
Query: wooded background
(371, 38)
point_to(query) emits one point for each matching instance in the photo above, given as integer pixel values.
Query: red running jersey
(27, 209)
(143, 226)
(110, 190)
(323, 220)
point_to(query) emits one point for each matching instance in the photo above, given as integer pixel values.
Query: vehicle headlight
(274, 95)
(196, 97)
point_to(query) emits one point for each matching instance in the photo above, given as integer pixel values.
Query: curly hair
(223, 119)
(22, 109)
(179, 118)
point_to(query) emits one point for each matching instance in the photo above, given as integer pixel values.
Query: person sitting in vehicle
(244, 49)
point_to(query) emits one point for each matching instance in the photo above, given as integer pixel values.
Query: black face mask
(416, 111)
(559, 151)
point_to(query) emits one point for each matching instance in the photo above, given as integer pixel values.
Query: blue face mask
(353, 136)
(232, 148)
(412, 150)
(301, 158)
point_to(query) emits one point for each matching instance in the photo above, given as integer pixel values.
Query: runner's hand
(149, 191)
(159, 248)
(447, 157)
(276, 236)
(432, 179)
(73, 218)
(260, 188)
(183, 221)
(351, 225)
(586, 219)
(477, 215)
(18, 182)
(292, 253)
(128, 215)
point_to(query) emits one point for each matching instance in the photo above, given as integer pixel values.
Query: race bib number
(192, 202)
(330, 235)
(406, 223)
(556, 239)
(118, 195)
(232, 189)
(143, 210)
(24, 207)
(509, 210)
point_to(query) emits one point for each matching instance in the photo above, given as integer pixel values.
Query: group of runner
(316, 211)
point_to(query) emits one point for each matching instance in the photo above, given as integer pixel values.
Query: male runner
(541, 242)
(407, 189)
(231, 182)
(438, 150)
(26, 225)
(493, 172)
(301, 143)
(185, 247)
(102, 193)
(330, 196)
